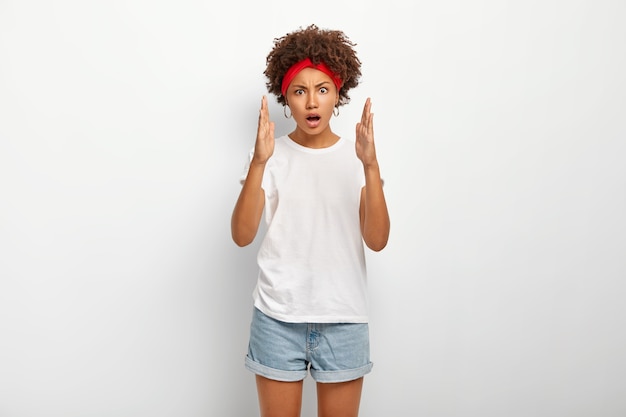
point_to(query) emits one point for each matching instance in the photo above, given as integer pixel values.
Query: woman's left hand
(365, 149)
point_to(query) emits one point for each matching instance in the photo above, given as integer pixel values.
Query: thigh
(278, 398)
(339, 399)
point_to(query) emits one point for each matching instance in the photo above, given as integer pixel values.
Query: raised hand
(373, 212)
(365, 149)
(264, 145)
(249, 207)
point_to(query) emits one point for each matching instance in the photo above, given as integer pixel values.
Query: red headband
(307, 63)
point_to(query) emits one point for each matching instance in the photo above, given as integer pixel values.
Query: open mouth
(313, 120)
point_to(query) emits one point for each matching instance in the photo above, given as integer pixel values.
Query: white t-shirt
(311, 260)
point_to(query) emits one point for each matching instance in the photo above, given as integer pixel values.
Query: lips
(313, 120)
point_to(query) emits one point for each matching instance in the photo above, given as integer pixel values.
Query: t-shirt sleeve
(246, 167)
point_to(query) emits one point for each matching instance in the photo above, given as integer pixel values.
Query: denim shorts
(333, 352)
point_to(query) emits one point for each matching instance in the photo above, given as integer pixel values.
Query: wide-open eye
(299, 91)
(323, 90)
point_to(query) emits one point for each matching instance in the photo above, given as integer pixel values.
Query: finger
(365, 111)
(261, 108)
(369, 113)
(264, 105)
(263, 112)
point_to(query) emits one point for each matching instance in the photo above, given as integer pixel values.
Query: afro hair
(329, 46)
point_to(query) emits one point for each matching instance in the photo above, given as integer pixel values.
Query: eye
(323, 90)
(299, 92)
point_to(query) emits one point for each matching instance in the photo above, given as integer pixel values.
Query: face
(311, 97)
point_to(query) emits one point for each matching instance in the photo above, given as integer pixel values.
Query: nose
(311, 101)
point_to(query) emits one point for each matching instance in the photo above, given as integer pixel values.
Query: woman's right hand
(249, 207)
(264, 146)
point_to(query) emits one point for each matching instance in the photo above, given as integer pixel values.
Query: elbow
(242, 234)
(241, 243)
(377, 243)
(240, 240)
(376, 237)
(377, 246)
(237, 234)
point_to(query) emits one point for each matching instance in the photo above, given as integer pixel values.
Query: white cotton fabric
(311, 260)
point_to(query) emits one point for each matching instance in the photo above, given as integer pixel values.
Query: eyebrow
(316, 85)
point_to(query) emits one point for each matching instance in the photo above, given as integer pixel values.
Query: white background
(124, 126)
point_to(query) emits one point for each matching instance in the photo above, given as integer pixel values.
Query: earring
(285, 112)
(336, 108)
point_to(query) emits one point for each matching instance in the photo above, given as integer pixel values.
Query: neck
(321, 140)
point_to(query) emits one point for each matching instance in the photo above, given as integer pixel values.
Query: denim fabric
(333, 352)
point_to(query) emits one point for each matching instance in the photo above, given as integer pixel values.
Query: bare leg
(279, 399)
(340, 399)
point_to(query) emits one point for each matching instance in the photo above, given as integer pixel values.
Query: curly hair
(330, 46)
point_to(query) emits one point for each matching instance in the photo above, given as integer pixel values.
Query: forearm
(375, 223)
(249, 207)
